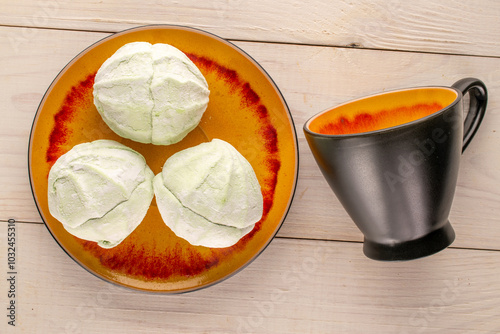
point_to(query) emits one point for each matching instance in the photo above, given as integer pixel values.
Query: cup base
(409, 250)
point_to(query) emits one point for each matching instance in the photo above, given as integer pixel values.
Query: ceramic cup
(392, 160)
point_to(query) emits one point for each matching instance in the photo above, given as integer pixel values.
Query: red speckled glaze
(381, 111)
(75, 100)
(143, 260)
(366, 122)
(245, 109)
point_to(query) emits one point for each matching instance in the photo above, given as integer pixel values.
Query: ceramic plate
(246, 109)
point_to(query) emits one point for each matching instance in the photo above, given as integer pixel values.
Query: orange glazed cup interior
(382, 111)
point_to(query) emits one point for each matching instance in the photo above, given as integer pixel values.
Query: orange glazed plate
(246, 109)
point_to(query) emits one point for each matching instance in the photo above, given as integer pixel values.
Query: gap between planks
(355, 46)
(308, 239)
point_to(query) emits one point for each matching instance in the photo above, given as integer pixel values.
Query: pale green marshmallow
(150, 93)
(100, 191)
(189, 225)
(215, 190)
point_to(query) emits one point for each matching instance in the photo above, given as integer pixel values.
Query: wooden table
(313, 278)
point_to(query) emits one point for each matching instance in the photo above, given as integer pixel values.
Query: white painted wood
(313, 278)
(449, 26)
(295, 286)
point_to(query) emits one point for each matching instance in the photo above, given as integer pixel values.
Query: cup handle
(477, 106)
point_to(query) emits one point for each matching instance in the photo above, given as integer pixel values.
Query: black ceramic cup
(392, 160)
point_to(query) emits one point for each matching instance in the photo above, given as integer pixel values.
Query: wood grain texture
(295, 286)
(313, 278)
(451, 26)
(311, 79)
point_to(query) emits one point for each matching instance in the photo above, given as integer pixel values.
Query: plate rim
(294, 134)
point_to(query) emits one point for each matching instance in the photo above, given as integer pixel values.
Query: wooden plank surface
(313, 278)
(311, 79)
(295, 286)
(448, 26)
